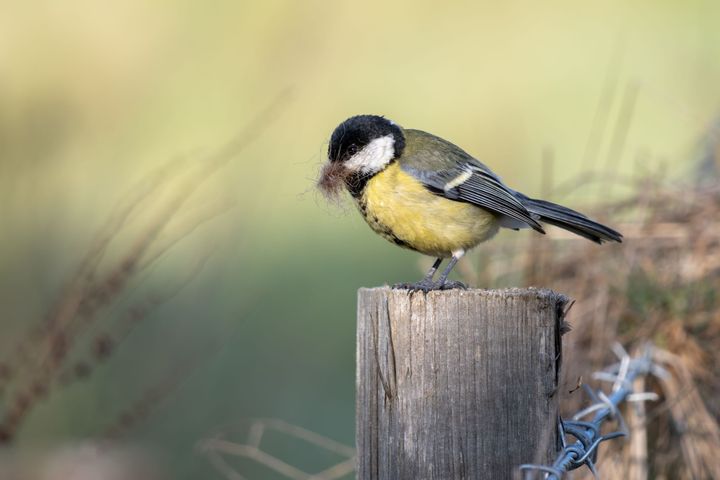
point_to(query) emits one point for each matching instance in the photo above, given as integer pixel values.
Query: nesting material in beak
(332, 180)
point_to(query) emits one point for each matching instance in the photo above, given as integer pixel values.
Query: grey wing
(452, 173)
(472, 184)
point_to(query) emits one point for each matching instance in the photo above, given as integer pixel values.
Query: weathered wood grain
(456, 384)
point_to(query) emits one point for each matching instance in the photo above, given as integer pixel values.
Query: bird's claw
(421, 286)
(451, 285)
(429, 285)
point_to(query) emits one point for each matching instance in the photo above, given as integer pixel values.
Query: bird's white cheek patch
(375, 156)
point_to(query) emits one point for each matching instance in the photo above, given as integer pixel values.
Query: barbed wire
(587, 434)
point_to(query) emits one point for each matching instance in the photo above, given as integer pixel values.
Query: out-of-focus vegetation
(659, 286)
(246, 293)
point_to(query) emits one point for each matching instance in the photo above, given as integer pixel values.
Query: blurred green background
(95, 96)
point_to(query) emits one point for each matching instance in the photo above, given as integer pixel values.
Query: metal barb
(604, 407)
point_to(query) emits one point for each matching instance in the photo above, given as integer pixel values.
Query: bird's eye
(352, 150)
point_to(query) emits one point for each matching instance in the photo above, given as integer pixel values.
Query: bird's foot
(429, 285)
(421, 286)
(451, 285)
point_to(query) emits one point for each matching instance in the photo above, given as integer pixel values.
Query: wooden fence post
(458, 384)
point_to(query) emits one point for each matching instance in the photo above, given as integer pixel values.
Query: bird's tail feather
(571, 221)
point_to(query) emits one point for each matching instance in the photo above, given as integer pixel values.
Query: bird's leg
(426, 284)
(431, 273)
(443, 282)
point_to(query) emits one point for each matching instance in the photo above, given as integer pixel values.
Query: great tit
(426, 194)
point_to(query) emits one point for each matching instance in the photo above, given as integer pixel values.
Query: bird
(426, 194)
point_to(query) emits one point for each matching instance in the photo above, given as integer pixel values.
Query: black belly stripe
(399, 242)
(356, 182)
(379, 228)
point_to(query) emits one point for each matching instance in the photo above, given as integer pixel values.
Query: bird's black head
(359, 148)
(366, 143)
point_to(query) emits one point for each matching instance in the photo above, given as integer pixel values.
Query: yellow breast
(401, 209)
